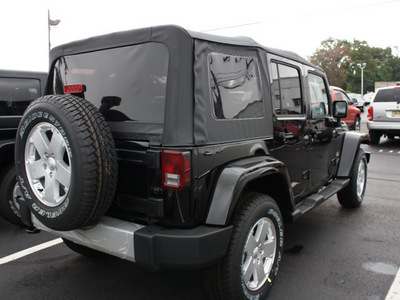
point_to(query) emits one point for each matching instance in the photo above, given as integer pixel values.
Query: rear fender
(235, 177)
(351, 143)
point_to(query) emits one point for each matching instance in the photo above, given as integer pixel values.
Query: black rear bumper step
(316, 199)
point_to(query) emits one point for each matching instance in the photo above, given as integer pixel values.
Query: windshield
(388, 95)
(126, 84)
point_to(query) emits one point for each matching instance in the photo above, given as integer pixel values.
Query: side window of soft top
(318, 96)
(235, 87)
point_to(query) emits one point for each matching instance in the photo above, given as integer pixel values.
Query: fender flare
(233, 179)
(351, 143)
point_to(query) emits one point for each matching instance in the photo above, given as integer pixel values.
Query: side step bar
(321, 196)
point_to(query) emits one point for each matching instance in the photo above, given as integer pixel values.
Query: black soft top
(164, 34)
(188, 119)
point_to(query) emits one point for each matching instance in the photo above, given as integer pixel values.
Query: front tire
(353, 195)
(251, 264)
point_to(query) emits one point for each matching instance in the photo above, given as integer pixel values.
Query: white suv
(384, 114)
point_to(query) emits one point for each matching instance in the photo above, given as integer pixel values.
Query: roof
(160, 33)
(23, 74)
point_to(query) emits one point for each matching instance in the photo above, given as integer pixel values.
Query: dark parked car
(177, 149)
(17, 90)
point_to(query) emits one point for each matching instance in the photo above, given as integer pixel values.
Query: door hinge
(306, 175)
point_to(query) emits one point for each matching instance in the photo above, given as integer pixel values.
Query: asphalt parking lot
(330, 253)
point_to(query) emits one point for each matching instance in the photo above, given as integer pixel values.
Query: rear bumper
(384, 126)
(152, 246)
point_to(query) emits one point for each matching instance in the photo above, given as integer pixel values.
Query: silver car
(357, 100)
(384, 114)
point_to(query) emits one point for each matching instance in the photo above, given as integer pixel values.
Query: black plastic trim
(159, 247)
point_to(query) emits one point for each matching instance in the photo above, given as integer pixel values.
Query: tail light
(175, 169)
(75, 89)
(370, 115)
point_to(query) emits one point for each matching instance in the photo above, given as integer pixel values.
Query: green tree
(334, 57)
(339, 59)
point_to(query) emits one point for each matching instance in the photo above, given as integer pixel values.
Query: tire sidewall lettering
(46, 117)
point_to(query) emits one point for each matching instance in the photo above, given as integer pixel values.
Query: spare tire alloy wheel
(48, 164)
(66, 162)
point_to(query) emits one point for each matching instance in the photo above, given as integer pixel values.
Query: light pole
(362, 67)
(50, 23)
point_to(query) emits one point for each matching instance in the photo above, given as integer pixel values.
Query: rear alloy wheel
(66, 162)
(252, 261)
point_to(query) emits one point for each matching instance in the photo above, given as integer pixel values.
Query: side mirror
(340, 109)
(354, 100)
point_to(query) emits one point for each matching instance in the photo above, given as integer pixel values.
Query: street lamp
(50, 23)
(362, 67)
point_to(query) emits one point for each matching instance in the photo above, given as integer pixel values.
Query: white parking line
(29, 251)
(394, 292)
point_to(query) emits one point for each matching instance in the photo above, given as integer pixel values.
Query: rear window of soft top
(127, 84)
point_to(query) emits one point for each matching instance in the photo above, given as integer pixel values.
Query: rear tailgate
(386, 105)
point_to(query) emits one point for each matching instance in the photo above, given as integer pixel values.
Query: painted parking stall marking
(29, 251)
(389, 151)
(394, 292)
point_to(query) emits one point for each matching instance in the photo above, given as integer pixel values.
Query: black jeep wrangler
(177, 149)
(17, 90)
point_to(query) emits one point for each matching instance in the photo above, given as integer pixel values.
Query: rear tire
(353, 195)
(66, 162)
(251, 263)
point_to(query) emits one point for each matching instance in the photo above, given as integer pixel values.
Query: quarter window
(235, 87)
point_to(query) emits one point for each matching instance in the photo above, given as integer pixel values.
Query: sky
(298, 26)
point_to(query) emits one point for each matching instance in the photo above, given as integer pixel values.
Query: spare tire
(66, 162)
